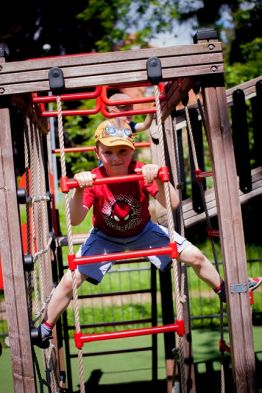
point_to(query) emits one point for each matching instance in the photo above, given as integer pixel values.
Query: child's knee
(193, 256)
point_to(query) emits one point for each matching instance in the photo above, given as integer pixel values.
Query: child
(121, 220)
(135, 127)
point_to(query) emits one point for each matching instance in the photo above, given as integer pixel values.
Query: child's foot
(40, 340)
(254, 282)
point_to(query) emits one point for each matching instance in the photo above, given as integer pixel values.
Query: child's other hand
(84, 179)
(149, 172)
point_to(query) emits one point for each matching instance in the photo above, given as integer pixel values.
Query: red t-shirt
(120, 209)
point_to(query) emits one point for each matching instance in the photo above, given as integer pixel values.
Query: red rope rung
(212, 232)
(223, 347)
(68, 184)
(80, 338)
(171, 250)
(201, 175)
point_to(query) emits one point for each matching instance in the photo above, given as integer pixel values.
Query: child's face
(115, 159)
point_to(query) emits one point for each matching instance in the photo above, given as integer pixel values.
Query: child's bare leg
(62, 296)
(204, 269)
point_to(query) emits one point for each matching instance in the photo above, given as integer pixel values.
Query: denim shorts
(152, 236)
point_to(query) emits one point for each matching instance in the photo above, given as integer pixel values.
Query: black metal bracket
(154, 70)
(56, 80)
(28, 263)
(205, 34)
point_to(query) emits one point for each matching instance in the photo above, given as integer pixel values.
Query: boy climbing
(121, 221)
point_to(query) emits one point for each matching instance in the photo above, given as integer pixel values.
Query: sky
(182, 35)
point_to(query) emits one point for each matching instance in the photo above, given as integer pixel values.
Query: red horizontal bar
(202, 175)
(131, 101)
(171, 250)
(80, 338)
(213, 232)
(69, 96)
(74, 112)
(132, 112)
(82, 149)
(223, 347)
(68, 184)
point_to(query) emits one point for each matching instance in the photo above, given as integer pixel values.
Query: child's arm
(145, 124)
(149, 172)
(77, 210)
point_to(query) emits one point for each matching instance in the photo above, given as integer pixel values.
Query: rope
(202, 193)
(28, 237)
(70, 239)
(37, 221)
(171, 229)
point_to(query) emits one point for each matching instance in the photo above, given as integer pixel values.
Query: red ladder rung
(213, 232)
(200, 175)
(80, 338)
(73, 262)
(68, 184)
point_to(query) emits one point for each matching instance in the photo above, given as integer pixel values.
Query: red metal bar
(82, 149)
(223, 347)
(68, 184)
(80, 338)
(171, 250)
(200, 175)
(74, 112)
(212, 232)
(131, 101)
(132, 112)
(69, 96)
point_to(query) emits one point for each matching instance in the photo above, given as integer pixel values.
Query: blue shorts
(152, 236)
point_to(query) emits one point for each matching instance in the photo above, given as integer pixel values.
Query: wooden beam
(12, 266)
(231, 235)
(191, 217)
(83, 71)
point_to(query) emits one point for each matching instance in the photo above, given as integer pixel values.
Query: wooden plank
(117, 67)
(110, 57)
(108, 79)
(249, 89)
(12, 265)
(231, 235)
(192, 218)
(111, 68)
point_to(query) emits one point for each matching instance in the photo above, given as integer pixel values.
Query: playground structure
(183, 68)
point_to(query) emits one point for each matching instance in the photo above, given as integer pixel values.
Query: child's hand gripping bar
(68, 184)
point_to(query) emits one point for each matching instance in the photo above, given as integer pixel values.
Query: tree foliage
(47, 28)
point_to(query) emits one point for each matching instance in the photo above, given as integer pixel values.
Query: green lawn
(133, 367)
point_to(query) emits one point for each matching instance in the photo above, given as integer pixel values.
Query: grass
(129, 367)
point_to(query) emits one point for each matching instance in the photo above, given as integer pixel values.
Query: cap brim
(115, 141)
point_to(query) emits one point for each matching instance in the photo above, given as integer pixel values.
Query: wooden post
(12, 266)
(231, 234)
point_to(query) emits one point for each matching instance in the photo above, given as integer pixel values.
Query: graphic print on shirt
(122, 212)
